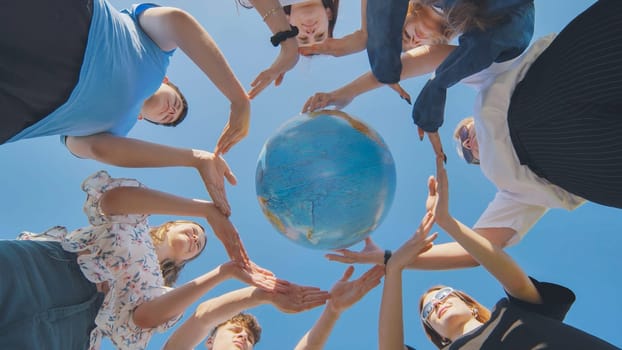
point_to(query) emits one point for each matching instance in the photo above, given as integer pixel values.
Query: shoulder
(556, 300)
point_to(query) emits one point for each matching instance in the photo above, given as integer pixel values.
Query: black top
(516, 324)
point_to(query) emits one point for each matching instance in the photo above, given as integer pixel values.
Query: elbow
(89, 147)
(143, 319)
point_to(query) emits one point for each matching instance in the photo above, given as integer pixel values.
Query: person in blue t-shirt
(86, 71)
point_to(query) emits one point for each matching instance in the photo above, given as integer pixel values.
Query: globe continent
(325, 180)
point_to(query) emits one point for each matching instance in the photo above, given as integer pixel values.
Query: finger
(421, 133)
(339, 258)
(435, 140)
(347, 274)
(279, 79)
(258, 85)
(432, 185)
(403, 94)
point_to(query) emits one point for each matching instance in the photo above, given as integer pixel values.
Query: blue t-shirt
(122, 67)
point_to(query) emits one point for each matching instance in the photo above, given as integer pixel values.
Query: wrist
(280, 37)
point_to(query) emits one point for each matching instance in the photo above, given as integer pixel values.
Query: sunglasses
(436, 298)
(466, 153)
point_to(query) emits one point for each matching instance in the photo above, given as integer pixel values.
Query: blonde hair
(464, 122)
(482, 314)
(420, 11)
(464, 15)
(170, 268)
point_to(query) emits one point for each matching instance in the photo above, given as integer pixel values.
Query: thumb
(347, 274)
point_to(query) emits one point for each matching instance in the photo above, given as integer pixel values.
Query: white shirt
(522, 197)
(121, 253)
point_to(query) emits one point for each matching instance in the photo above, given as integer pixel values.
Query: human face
(186, 241)
(418, 30)
(444, 310)
(311, 18)
(164, 106)
(231, 336)
(468, 144)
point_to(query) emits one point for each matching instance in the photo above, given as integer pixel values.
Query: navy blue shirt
(476, 51)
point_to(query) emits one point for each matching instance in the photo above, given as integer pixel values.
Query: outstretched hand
(235, 129)
(419, 243)
(370, 254)
(286, 60)
(257, 276)
(213, 170)
(294, 298)
(345, 293)
(324, 99)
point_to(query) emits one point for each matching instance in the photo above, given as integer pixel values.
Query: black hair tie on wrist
(387, 256)
(279, 37)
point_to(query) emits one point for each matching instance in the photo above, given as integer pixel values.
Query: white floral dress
(120, 252)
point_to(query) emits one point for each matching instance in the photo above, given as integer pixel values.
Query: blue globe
(325, 180)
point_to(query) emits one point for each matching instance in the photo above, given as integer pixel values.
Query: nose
(242, 336)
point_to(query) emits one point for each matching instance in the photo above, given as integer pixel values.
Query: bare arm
(211, 313)
(342, 296)
(416, 62)
(489, 255)
(349, 44)
(275, 19)
(171, 28)
(444, 256)
(161, 309)
(132, 153)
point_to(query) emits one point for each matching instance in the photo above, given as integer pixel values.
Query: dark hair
(464, 15)
(245, 320)
(171, 269)
(333, 5)
(184, 108)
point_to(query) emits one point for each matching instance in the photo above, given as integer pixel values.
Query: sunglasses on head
(467, 154)
(440, 295)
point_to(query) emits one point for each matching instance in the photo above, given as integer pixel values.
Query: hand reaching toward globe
(370, 254)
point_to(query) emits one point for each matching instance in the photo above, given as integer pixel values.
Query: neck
(468, 326)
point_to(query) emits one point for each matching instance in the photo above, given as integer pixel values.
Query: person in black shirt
(531, 317)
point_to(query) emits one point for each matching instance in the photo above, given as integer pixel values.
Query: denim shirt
(476, 51)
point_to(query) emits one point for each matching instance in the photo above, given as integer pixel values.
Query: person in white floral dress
(68, 290)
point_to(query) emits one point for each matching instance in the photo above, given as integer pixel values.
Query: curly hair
(247, 321)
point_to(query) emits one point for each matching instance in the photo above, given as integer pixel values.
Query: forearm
(491, 256)
(211, 313)
(140, 200)
(275, 17)
(317, 336)
(129, 153)
(157, 311)
(444, 256)
(202, 49)
(423, 60)
(390, 321)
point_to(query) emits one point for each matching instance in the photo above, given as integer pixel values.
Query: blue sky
(40, 186)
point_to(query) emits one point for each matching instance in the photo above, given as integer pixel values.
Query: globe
(325, 180)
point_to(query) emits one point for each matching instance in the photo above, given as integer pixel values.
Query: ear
(140, 117)
(209, 343)
(165, 80)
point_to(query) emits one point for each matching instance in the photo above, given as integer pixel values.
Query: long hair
(483, 315)
(333, 5)
(465, 15)
(421, 11)
(171, 269)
